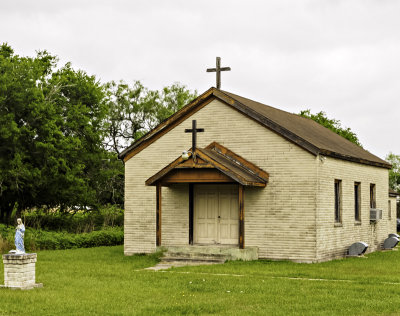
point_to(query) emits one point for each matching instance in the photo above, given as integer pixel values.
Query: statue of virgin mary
(19, 237)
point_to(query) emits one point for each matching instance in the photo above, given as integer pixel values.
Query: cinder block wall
(333, 240)
(279, 219)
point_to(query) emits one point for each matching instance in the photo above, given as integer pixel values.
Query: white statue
(19, 237)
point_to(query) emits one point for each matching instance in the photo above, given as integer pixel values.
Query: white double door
(216, 214)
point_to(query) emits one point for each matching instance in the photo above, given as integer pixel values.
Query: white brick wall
(334, 241)
(281, 219)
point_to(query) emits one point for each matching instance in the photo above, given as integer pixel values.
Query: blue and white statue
(19, 237)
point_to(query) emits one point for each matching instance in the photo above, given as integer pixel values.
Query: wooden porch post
(241, 216)
(158, 214)
(191, 205)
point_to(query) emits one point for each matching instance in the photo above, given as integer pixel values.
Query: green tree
(333, 124)
(51, 134)
(134, 110)
(394, 173)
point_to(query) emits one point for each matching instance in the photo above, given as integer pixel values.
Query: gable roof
(301, 131)
(217, 157)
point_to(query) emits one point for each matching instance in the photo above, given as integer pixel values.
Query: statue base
(20, 271)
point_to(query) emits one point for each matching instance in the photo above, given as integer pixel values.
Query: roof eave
(231, 174)
(203, 155)
(355, 159)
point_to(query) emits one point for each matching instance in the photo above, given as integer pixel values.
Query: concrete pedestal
(20, 271)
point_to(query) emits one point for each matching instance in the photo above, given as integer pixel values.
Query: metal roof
(304, 132)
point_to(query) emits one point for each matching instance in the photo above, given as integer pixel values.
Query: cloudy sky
(341, 57)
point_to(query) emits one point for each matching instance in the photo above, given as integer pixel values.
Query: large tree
(333, 124)
(394, 173)
(51, 133)
(134, 110)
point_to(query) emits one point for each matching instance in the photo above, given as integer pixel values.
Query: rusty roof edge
(333, 154)
(235, 176)
(238, 163)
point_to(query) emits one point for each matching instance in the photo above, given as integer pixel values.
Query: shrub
(6, 238)
(5, 246)
(79, 222)
(41, 240)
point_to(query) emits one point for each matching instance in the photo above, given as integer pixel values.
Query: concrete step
(190, 257)
(212, 252)
(199, 260)
(163, 265)
(179, 256)
(199, 256)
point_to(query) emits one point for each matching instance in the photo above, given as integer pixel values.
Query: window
(357, 201)
(389, 210)
(372, 195)
(338, 201)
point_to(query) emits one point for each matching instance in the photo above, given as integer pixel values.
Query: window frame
(357, 202)
(372, 195)
(338, 201)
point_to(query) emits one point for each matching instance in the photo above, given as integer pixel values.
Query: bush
(5, 245)
(6, 238)
(80, 222)
(41, 240)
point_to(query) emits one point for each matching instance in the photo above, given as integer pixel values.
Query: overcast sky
(340, 57)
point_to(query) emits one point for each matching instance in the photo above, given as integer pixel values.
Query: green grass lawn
(102, 281)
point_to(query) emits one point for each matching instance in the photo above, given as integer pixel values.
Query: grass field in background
(102, 281)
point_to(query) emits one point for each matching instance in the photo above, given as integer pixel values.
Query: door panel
(216, 214)
(229, 212)
(205, 209)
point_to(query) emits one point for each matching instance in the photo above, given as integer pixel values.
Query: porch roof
(213, 164)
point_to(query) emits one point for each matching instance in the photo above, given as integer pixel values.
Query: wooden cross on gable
(218, 70)
(194, 130)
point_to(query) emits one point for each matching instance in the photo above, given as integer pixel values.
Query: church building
(228, 171)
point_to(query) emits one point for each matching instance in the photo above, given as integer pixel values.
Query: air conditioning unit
(375, 215)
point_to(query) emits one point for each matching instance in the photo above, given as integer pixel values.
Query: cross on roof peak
(194, 130)
(218, 70)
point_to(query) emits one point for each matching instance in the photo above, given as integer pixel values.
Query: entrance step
(178, 256)
(163, 265)
(213, 251)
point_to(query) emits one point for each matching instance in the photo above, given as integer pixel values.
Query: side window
(372, 195)
(338, 201)
(357, 201)
(389, 210)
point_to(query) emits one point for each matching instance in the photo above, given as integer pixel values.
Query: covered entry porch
(216, 179)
